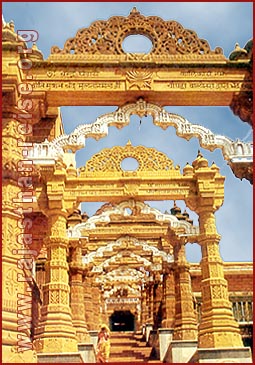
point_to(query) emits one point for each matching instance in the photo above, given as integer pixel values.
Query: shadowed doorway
(122, 321)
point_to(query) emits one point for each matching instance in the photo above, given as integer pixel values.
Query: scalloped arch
(231, 150)
(118, 259)
(130, 242)
(138, 208)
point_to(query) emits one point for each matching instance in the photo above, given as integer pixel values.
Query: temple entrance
(122, 321)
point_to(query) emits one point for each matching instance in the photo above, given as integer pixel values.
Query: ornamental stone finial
(215, 167)
(134, 11)
(188, 169)
(199, 154)
(202, 162)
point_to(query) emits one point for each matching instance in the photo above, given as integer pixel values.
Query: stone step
(129, 347)
(122, 353)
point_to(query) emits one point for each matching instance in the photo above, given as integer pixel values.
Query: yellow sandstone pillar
(96, 304)
(77, 294)
(157, 302)
(87, 287)
(17, 255)
(185, 325)
(56, 333)
(218, 327)
(144, 310)
(150, 300)
(168, 298)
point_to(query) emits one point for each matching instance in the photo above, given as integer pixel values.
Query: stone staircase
(129, 347)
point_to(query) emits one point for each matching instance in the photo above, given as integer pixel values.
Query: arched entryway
(122, 321)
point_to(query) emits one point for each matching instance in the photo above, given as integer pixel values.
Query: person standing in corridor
(103, 344)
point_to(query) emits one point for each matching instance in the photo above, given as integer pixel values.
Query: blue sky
(222, 24)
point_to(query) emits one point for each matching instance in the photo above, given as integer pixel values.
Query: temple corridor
(100, 234)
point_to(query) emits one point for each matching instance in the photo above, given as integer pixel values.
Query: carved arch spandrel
(106, 37)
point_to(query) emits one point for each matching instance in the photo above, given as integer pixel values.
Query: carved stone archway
(138, 210)
(238, 154)
(181, 69)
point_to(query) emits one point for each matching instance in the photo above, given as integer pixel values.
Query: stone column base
(180, 351)
(143, 332)
(60, 358)
(165, 338)
(11, 354)
(224, 355)
(148, 328)
(93, 337)
(87, 351)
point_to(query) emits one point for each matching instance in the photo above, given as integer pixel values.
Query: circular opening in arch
(129, 164)
(137, 44)
(128, 211)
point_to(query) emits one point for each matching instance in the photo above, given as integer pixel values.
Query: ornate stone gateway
(68, 271)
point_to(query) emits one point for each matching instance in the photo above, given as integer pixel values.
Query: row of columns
(74, 296)
(62, 325)
(170, 299)
(218, 327)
